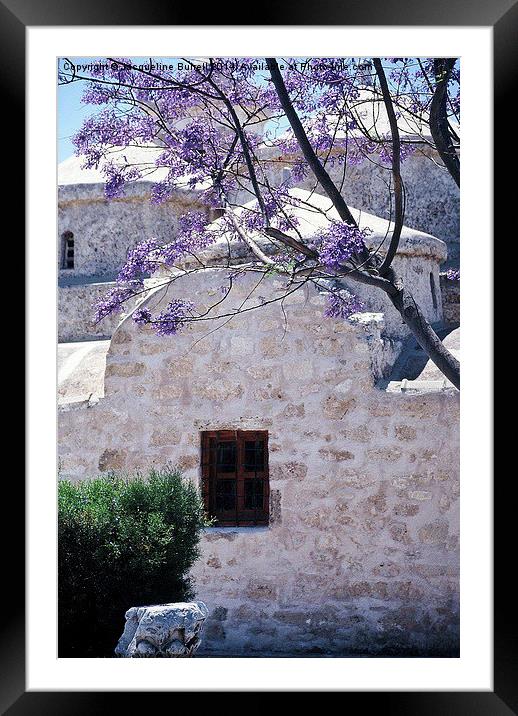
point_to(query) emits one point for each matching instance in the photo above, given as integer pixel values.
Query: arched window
(432, 289)
(67, 250)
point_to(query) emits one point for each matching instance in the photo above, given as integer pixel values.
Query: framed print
(243, 270)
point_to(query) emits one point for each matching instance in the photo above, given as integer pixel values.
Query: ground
(81, 370)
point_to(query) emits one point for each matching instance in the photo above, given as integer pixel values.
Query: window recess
(235, 479)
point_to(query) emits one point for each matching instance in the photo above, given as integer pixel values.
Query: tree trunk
(401, 299)
(424, 334)
(413, 317)
(439, 119)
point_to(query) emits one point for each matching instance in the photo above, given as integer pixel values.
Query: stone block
(293, 411)
(405, 432)
(275, 507)
(335, 455)
(164, 437)
(218, 390)
(288, 471)
(112, 460)
(336, 407)
(162, 630)
(124, 370)
(434, 532)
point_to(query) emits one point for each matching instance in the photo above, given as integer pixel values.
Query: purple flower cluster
(342, 304)
(193, 223)
(142, 316)
(340, 243)
(116, 178)
(170, 321)
(112, 301)
(142, 260)
(385, 154)
(167, 322)
(145, 257)
(192, 237)
(453, 275)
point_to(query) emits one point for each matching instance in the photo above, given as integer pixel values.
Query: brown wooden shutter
(235, 477)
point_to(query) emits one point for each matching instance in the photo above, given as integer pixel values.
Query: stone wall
(76, 311)
(104, 230)
(450, 300)
(361, 554)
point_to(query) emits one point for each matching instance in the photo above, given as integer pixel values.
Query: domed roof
(314, 212)
(71, 170)
(74, 181)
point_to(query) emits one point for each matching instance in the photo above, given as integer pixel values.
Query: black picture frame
(15, 16)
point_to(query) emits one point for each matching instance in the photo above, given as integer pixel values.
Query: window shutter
(235, 484)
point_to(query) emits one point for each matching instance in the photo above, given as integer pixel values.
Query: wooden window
(235, 476)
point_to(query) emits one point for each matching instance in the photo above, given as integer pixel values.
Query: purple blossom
(161, 191)
(115, 184)
(142, 316)
(342, 304)
(385, 154)
(192, 236)
(145, 257)
(142, 260)
(194, 222)
(117, 177)
(112, 302)
(453, 275)
(339, 243)
(170, 321)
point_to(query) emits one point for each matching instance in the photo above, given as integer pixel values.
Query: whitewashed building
(330, 463)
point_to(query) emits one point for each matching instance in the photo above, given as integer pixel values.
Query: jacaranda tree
(205, 114)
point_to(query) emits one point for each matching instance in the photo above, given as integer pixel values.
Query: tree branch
(318, 170)
(291, 242)
(252, 245)
(439, 118)
(423, 332)
(396, 169)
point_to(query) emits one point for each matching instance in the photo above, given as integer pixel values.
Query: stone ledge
(224, 531)
(418, 387)
(69, 405)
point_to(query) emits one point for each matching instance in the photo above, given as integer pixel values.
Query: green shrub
(122, 543)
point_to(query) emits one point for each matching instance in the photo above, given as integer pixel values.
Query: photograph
(258, 376)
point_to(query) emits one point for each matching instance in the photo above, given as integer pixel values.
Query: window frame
(239, 515)
(66, 238)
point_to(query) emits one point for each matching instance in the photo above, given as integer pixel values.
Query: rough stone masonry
(361, 554)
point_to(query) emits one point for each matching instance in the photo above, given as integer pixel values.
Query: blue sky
(72, 113)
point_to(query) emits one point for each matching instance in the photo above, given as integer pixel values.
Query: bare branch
(396, 169)
(439, 126)
(314, 162)
(252, 245)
